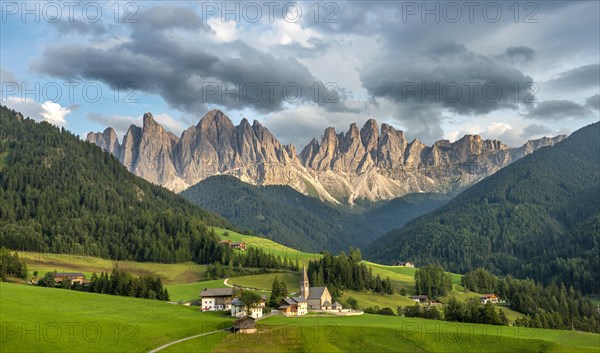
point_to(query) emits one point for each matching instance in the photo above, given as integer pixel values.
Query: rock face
(369, 163)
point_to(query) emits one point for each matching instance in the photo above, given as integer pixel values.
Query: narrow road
(185, 339)
(226, 282)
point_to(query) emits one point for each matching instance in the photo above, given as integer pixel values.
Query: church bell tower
(304, 286)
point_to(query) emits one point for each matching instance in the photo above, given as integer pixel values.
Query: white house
(238, 309)
(216, 299)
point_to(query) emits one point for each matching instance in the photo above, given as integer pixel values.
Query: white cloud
(224, 31)
(48, 111)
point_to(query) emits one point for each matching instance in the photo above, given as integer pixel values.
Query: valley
(304, 177)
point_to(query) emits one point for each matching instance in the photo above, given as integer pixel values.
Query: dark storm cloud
(583, 77)
(450, 76)
(593, 102)
(520, 54)
(160, 18)
(535, 130)
(158, 60)
(420, 120)
(558, 110)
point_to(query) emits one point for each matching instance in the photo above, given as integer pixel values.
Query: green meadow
(265, 281)
(37, 319)
(375, 333)
(269, 246)
(169, 273)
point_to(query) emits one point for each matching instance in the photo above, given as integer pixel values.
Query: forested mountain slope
(296, 220)
(60, 194)
(539, 217)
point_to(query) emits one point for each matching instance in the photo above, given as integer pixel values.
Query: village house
(489, 298)
(72, 277)
(405, 264)
(215, 299)
(294, 306)
(240, 245)
(419, 298)
(245, 325)
(238, 309)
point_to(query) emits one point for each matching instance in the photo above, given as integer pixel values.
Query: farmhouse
(295, 306)
(419, 298)
(72, 277)
(489, 298)
(240, 245)
(238, 309)
(215, 299)
(245, 325)
(405, 264)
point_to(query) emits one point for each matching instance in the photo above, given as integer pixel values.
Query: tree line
(11, 265)
(345, 272)
(550, 306)
(431, 280)
(119, 282)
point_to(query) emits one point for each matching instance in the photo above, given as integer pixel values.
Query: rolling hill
(287, 216)
(60, 194)
(538, 218)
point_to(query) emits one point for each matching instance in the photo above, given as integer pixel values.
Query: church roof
(304, 275)
(316, 292)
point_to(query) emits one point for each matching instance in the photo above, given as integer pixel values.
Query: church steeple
(304, 286)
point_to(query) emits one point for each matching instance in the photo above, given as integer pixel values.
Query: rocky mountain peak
(107, 140)
(215, 119)
(149, 124)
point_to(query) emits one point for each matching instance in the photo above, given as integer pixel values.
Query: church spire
(304, 286)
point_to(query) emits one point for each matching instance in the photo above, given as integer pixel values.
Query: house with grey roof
(294, 306)
(215, 299)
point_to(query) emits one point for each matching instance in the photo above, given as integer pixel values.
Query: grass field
(406, 275)
(191, 291)
(169, 273)
(374, 333)
(269, 246)
(366, 300)
(265, 281)
(36, 319)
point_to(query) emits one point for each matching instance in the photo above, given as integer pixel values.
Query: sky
(511, 71)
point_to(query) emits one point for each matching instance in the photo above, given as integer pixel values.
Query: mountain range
(370, 163)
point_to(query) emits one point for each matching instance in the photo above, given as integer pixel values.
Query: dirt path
(185, 339)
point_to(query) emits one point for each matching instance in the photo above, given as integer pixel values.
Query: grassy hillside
(62, 195)
(169, 273)
(303, 222)
(373, 333)
(99, 323)
(269, 246)
(538, 218)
